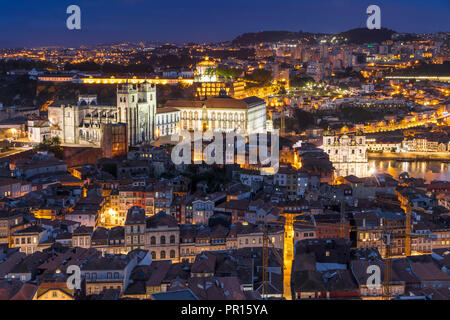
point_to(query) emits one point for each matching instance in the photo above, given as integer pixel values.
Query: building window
(163, 240)
(163, 254)
(172, 254)
(172, 239)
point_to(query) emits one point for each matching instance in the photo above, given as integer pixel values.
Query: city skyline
(238, 165)
(44, 23)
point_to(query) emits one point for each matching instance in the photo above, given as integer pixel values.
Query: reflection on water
(428, 170)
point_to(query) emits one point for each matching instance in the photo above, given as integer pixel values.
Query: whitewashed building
(347, 153)
(222, 114)
(82, 123)
(167, 120)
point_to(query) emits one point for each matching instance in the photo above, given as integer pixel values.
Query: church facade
(347, 153)
(83, 123)
(86, 122)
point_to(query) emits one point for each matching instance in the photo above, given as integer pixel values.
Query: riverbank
(420, 156)
(429, 170)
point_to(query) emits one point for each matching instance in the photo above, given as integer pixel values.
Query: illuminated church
(87, 122)
(84, 123)
(347, 153)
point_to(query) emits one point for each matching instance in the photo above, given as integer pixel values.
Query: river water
(428, 170)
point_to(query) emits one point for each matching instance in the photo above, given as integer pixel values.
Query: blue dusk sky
(27, 23)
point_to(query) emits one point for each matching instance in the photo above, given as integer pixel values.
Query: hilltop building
(85, 122)
(222, 114)
(208, 84)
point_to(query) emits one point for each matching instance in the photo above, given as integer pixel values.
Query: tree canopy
(259, 77)
(228, 73)
(52, 145)
(301, 81)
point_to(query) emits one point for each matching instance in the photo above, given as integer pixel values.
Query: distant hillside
(364, 35)
(424, 69)
(355, 36)
(271, 36)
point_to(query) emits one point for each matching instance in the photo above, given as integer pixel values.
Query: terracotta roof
(83, 230)
(9, 288)
(216, 288)
(216, 103)
(26, 292)
(204, 263)
(161, 219)
(429, 272)
(166, 110)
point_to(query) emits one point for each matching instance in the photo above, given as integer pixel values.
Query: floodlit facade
(167, 120)
(347, 153)
(84, 122)
(222, 114)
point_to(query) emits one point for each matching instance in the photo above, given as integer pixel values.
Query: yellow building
(109, 214)
(206, 83)
(235, 89)
(46, 213)
(53, 294)
(54, 288)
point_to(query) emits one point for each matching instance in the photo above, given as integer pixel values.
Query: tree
(260, 77)
(210, 72)
(228, 73)
(52, 145)
(300, 122)
(357, 114)
(301, 81)
(304, 119)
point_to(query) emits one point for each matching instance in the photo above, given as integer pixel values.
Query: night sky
(43, 22)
